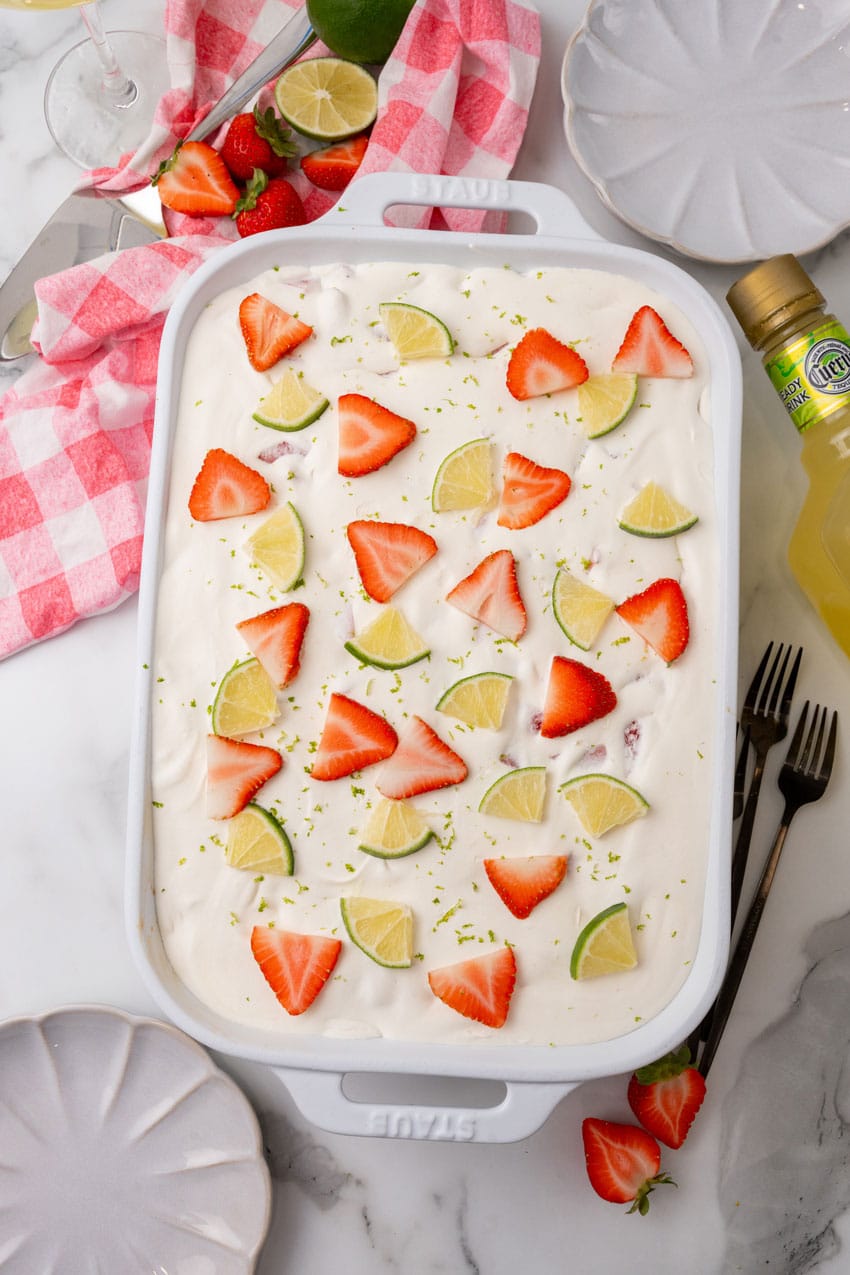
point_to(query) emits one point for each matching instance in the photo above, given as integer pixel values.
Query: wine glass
(101, 96)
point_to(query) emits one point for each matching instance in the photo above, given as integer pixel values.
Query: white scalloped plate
(123, 1148)
(720, 128)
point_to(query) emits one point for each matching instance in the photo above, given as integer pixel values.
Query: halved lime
(381, 928)
(602, 802)
(605, 945)
(579, 609)
(604, 402)
(277, 547)
(394, 829)
(518, 794)
(327, 98)
(290, 404)
(416, 333)
(654, 512)
(245, 701)
(389, 642)
(464, 479)
(257, 842)
(479, 700)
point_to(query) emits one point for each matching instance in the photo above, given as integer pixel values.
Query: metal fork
(802, 779)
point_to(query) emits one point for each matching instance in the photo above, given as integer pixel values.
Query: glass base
(93, 126)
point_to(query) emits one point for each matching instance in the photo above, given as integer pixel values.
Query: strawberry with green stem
(666, 1096)
(257, 139)
(623, 1163)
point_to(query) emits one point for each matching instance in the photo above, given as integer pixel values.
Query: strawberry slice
(529, 491)
(421, 763)
(659, 614)
(480, 988)
(650, 349)
(622, 1162)
(227, 488)
(523, 883)
(387, 554)
(666, 1096)
(333, 167)
(275, 637)
(541, 364)
(236, 771)
(268, 331)
(575, 696)
(491, 595)
(353, 737)
(369, 435)
(195, 180)
(295, 966)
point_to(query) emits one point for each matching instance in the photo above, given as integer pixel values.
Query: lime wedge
(605, 945)
(604, 402)
(464, 479)
(416, 333)
(654, 512)
(579, 609)
(277, 547)
(479, 700)
(382, 929)
(327, 98)
(245, 701)
(519, 794)
(394, 830)
(388, 642)
(602, 802)
(290, 404)
(257, 842)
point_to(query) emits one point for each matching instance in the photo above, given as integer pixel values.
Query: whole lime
(360, 30)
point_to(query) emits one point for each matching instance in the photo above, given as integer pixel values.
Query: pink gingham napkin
(75, 429)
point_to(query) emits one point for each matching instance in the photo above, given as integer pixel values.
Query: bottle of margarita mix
(806, 354)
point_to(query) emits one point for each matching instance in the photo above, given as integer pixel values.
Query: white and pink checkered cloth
(75, 429)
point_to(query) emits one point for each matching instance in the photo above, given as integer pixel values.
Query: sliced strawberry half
(523, 883)
(268, 331)
(529, 491)
(575, 696)
(480, 988)
(227, 488)
(195, 180)
(295, 966)
(275, 637)
(541, 364)
(622, 1162)
(236, 771)
(491, 595)
(650, 349)
(369, 435)
(353, 737)
(666, 1096)
(387, 554)
(333, 167)
(422, 763)
(659, 614)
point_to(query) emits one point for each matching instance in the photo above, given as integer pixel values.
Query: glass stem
(120, 90)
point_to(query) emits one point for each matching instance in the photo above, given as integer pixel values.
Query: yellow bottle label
(811, 375)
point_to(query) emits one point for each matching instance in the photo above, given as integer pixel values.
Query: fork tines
(803, 758)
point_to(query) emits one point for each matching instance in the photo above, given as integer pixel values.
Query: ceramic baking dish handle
(367, 199)
(319, 1097)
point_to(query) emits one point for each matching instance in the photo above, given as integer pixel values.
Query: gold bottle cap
(770, 296)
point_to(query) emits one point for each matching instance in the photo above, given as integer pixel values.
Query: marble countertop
(763, 1181)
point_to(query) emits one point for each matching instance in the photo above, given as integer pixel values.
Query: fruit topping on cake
(236, 771)
(394, 830)
(369, 435)
(295, 966)
(291, 404)
(666, 1096)
(226, 488)
(541, 364)
(387, 554)
(659, 614)
(277, 547)
(523, 883)
(656, 514)
(382, 928)
(623, 1163)
(245, 702)
(603, 802)
(388, 642)
(605, 945)
(575, 696)
(581, 610)
(529, 491)
(275, 638)
(268, 331)
(650, 349)
(480, 988)
(490, 594)
(518, 794)
(604, 402)
(422, 763)
(416, 333)
(353, 737)
(464, 479)
(477, 700)
(257, 842)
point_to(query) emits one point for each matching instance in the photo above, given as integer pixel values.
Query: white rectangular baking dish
(314, 1067)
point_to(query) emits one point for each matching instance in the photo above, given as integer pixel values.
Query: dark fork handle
(745, 832)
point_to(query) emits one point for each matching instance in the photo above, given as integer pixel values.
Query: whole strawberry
(257, 139)
(268, 205)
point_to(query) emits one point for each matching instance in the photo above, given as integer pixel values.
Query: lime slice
(465, 478)
(602, 802)
(416, 333)
(604, 402)
(277, 547)
(380, 928)
(388, 642)
(256, 842)
(605, 945)
(394, 830)
(290, 404)
(327, 98)
(519, 794)
(654, 512)
(245, 701)
(579, 609)
(479, 700)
